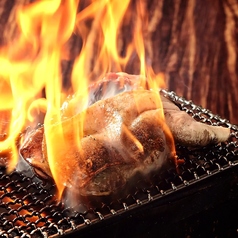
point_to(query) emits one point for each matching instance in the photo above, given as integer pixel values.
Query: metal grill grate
(28, 206)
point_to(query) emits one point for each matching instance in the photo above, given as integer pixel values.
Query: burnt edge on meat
(114, 171)
(148, 157)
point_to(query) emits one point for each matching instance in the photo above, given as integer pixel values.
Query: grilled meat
(124, 134)
(189, 132)
(120, 140)
(185, 130)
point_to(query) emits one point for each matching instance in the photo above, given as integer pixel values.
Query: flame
(30, 75)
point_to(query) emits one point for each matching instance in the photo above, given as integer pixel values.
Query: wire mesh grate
(29, 208)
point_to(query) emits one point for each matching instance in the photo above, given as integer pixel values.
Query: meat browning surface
(189, 132)
(185, 130)
(120, 140)
(124, 134)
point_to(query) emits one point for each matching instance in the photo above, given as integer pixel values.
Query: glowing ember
(30, 74)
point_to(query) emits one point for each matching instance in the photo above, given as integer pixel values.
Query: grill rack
(29, 208)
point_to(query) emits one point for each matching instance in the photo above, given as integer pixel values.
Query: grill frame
(148, 203)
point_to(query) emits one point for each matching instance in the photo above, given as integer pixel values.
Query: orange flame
(30, 76)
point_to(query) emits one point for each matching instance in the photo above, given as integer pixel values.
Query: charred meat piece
(124, 134)
(185, 130)
(120, 140)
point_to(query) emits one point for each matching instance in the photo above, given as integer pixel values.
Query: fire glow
(30, 68)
